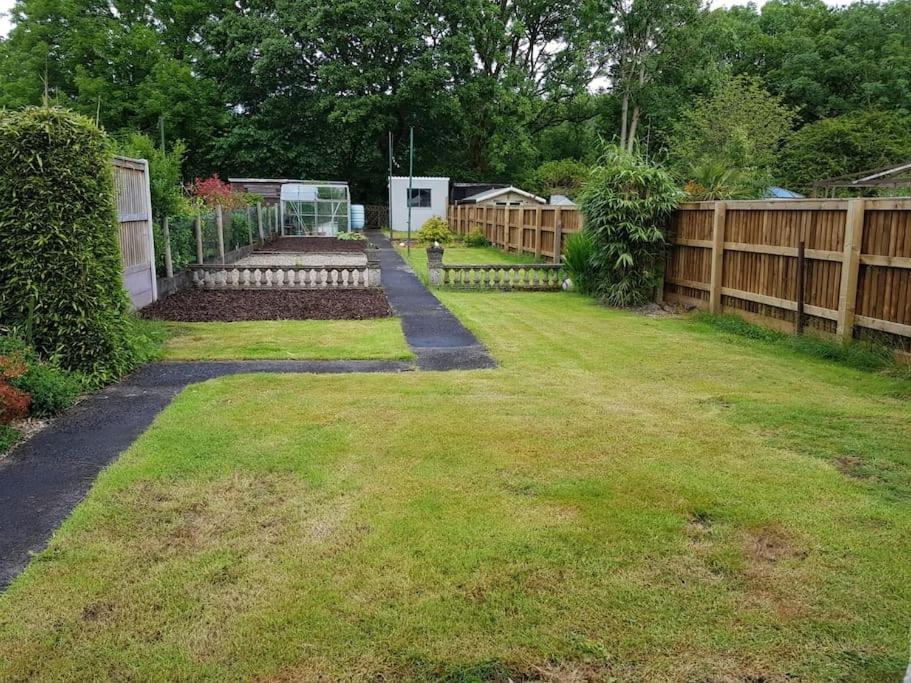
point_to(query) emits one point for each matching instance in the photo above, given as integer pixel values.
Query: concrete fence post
(198, 229)
(166, 234)
(435, 264)
(220, 225)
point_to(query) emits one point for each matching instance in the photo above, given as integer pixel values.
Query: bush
(435, 230)
(61, 276)
(351, 236)
(476, 238)
(626, 204)
(578, 257)
(51, 389)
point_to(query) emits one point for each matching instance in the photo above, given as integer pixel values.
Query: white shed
(429, 197)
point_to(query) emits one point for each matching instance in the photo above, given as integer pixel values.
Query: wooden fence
(743, 257)
(534, 230)
(134, 214)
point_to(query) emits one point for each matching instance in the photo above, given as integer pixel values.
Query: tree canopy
(493, 89)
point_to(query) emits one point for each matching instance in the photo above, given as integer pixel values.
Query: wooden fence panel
(857, 270)
(536, 230)
(134, 214)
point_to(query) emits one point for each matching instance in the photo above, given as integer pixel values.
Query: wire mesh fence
(240, 228)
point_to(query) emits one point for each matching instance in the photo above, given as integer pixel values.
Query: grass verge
(467, 255)
(380, 339)
(622, 498)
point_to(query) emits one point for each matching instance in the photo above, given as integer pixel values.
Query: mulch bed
(200, 305)
(318, 244)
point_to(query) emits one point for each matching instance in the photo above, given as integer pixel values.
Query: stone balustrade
(239, 276)
(527, 276)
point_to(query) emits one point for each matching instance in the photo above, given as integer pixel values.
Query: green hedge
(61, 279)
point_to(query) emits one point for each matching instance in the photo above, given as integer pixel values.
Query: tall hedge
(61, 275)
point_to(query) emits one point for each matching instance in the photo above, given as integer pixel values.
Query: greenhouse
(322, 208)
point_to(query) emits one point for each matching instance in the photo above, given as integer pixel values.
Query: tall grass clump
(61, 275)
(856, 354)
(626, 203)
(578, 259)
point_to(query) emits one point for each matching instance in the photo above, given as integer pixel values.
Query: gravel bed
(311, 244)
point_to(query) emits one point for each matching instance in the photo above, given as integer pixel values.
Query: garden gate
(134, 215)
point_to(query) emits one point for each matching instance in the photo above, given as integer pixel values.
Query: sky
(6, 6)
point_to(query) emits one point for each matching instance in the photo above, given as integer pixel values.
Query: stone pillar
(435, 264)
(373, 268)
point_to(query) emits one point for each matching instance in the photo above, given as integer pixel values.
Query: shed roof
(487, 195)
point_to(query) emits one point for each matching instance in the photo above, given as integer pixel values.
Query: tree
(564, 176)
(740, 127)
(845, 144)
(633, 50)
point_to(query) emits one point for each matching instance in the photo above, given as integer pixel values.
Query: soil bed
(319, 244)
(196, 305)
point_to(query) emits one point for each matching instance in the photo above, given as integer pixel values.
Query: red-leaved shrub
(14, 404)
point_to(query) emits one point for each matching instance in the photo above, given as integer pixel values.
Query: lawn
(378, 339)
(466, 255)
(623, 497)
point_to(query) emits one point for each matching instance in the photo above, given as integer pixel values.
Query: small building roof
(488, 195)
(776, 192)
(561, 200)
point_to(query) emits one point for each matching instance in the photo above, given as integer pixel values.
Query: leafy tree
(740, 127)
(165, 176)
(564, 176)
(626, 203)
(845, 144)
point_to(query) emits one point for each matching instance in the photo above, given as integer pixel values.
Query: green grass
(8, 437)
(380, 339)
(623, 497)
(466, 255)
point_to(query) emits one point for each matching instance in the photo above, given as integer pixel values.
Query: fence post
(220, 229)
(719, 218)
(558, 234)
(259, 220)
(850, 268)
(166, 234)
(537, 232)
(199, 253)
(249, 213)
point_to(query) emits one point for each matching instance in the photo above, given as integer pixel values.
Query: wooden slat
(778, 302)
(888, 261)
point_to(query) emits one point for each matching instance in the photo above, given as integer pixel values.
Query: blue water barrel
(357, 216)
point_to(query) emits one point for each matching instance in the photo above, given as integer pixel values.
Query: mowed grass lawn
(379, 339)
(461, 255)
(624, 497)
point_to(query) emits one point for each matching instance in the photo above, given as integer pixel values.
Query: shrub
(626, 204)
(14, 404)
(61, 277)
(476, 238)
(351, 236)
(51, 389)
(435, 230)
(578, 257)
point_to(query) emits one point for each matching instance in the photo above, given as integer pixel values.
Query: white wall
(398, 209)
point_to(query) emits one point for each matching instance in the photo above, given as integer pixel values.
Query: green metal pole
(410, 180)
